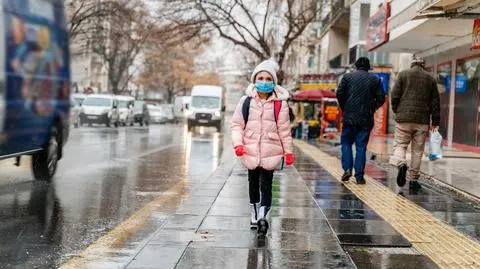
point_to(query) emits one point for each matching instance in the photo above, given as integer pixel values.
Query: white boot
(262, 223)
(254, 215)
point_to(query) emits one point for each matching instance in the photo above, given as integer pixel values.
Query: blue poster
(461, 83)
(384, 79)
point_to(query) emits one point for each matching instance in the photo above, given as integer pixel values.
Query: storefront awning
(313, 95)
(421, 35)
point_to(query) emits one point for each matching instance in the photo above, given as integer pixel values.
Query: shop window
(336, 62)
(467, 102)
(352, 55)
(444, 72)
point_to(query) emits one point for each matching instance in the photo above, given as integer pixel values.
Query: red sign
(476, 35)
(377, 29)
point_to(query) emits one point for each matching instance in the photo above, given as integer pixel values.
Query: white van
(126, 109)
(180, 107)
(100, 109)
(207, 107)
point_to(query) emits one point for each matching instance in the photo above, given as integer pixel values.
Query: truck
(207, 107)
(34, 90)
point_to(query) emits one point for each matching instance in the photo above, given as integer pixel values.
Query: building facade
(443, 32)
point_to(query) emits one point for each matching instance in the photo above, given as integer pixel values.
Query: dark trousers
(260, 180)
(358, 135)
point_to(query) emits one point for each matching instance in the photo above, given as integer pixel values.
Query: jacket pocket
(273, 136)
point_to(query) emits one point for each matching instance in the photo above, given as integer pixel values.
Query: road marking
(102, 247)
(430, 236)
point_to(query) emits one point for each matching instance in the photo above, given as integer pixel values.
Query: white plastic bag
(435, 146)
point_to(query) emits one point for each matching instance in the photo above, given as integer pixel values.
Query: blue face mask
(265, 86)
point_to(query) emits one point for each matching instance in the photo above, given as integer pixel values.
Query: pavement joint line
(296, 175)
(99, 249)
(437, 240)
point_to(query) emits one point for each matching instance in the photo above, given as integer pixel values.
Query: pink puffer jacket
(265, 140)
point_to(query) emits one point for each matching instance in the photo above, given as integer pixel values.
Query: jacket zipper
(261, 135)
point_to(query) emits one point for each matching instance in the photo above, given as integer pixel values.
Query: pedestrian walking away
(262, 139)
(416, 104)
(359, 95)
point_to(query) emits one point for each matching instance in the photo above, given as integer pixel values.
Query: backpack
(277, 106)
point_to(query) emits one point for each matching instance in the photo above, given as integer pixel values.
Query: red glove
(289, 158)
(239, 151)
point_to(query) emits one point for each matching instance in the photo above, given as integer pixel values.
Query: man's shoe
(402, 175)
(414, 185)
(346, 176)
(361, 181)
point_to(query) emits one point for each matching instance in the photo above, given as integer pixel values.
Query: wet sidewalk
(212, 230)
(458, 170)
(316, 222)
(440, 224)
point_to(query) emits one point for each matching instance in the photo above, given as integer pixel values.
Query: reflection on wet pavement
(300, 236)
(106, 176)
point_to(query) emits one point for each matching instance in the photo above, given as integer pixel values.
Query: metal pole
(451, 106)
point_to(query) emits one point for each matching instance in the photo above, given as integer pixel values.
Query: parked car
(75, 111)
(169, 113)
(141, 113)
(34, 121)
(157, 114)
(100, 109)
(125, 109)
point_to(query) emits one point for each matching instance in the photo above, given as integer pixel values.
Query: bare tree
(119, 38)
(82, 12)
(172, 68)
(266, 28)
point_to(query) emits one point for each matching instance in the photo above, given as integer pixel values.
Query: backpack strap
(277, 106)
(246, 110)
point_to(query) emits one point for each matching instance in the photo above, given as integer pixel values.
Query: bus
(34, 83)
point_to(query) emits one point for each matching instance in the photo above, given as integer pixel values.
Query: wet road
(106, 175)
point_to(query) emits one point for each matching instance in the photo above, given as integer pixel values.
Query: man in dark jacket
(416, 104)
(359, 94)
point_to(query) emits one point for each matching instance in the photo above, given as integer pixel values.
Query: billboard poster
(377, 27)
(381, 115)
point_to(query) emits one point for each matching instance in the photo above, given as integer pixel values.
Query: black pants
(260, 180)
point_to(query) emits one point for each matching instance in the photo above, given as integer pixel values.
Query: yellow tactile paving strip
(430, 236)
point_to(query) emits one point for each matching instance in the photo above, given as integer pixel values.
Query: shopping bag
(435, 146)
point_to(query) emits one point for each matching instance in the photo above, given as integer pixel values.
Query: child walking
(262, 139)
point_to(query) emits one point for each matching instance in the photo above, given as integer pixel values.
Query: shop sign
(476, 35)
(377, 27)
(326, 81)
(423, 5)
